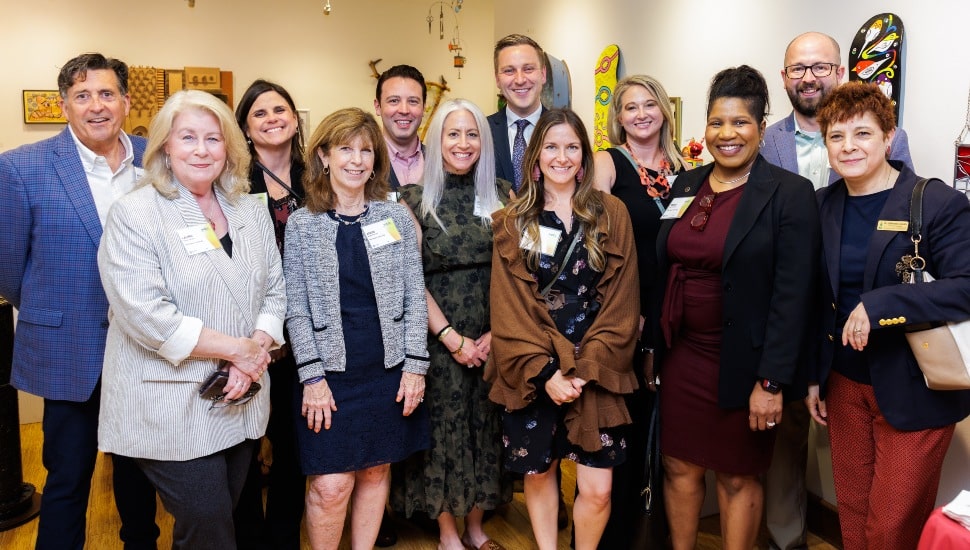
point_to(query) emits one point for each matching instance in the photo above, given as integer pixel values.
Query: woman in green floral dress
(461, 475)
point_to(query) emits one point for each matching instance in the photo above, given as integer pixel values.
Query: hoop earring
(326, 170)
(889, 151)
(536, 174)
(761, 144)
(373, 175)
(168, 163)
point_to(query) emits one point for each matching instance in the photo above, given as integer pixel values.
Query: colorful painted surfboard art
(604, 77)
(876, 55)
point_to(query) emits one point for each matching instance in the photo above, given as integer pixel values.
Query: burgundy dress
(693, 427)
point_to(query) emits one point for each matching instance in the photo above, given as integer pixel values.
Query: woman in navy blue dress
(357, 318)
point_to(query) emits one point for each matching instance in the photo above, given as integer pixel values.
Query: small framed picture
(304, 116)
(43, 107)
(675, 107)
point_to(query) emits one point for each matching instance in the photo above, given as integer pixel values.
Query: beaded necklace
(656, 187)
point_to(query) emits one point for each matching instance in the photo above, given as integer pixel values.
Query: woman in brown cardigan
(565, 308)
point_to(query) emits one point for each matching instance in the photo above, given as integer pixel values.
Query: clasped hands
(562, 389)
(247, 363)
(468, 352)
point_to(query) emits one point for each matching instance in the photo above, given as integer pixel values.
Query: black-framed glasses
(795, 72)
(699, 221)
(220, 402)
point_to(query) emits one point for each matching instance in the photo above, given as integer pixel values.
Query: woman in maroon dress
(740, 246)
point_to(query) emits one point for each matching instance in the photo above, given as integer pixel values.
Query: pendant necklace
(207, 216)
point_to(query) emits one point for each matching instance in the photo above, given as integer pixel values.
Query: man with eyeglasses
(812, 69)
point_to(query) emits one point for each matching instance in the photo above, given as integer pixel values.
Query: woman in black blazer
(739, 245)
(889, 432)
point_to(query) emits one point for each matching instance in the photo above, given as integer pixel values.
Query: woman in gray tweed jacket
(357, 319)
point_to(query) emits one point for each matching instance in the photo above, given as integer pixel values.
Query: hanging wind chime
(961, 166)
(455, 44)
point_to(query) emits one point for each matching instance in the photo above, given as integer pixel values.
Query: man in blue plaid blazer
(54, 197)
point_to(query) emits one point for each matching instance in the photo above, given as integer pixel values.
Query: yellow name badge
(381, 233)
(676, 208)
(199, 238)
(261, 197)
(892, 225)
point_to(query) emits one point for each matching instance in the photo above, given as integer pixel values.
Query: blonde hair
(434, 165)
(234, 179)
(588, 207)
(340, 128)
(618, 135)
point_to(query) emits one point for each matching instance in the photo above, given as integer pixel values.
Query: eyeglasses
(219, 402)
(795, 72)
(699, 221)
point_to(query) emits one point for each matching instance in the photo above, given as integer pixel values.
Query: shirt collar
(89, 157)
(805, 133)
(533, 117)
(401, 154)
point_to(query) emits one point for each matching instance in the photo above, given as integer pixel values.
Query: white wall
(685, 43)
(321, 60)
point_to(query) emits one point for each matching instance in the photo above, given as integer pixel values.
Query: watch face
(770, 386)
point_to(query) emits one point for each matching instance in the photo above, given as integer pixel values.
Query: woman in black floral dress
(461, 475)
(565, 309)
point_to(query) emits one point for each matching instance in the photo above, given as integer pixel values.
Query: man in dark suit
(54, 198)
(399, 101)
(812, 69)
(520, 73)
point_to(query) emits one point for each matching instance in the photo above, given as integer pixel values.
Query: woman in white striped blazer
(194, 279)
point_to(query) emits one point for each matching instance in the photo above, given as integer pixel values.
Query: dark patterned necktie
(518, 151)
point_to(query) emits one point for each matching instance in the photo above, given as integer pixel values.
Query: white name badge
(198, 239)
(676, 208)
(263, 198)
(548, 240)
(381, 233)
(393, 196)
(479, 211)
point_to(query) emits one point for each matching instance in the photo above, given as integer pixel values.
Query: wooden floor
(511, 527)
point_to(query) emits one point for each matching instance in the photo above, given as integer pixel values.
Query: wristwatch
(770, 386)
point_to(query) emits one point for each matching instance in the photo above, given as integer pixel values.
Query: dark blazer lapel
(70, 171)
(896, 208)
(758, 191)
(233, 270)
(500, 131)
(686, 185)
(830, 216)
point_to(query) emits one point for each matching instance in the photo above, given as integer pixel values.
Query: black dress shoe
(387, 535)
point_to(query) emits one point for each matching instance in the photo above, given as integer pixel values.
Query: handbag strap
(916, 211)
(562, 266)
(277, 178)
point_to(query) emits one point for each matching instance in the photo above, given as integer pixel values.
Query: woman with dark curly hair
(565, 306)
(739, 244)
(889, 431)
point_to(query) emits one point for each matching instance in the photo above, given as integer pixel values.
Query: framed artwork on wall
(43, 107)
(675, 107)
